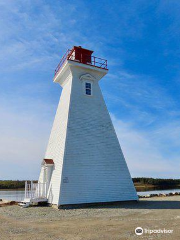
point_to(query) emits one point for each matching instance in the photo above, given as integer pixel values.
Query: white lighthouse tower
(84, 162)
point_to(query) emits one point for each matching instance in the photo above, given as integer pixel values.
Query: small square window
(88, 89)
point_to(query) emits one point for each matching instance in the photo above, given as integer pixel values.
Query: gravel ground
(116, 221)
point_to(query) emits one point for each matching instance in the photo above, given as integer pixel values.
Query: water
(12, 195)
(18, 195)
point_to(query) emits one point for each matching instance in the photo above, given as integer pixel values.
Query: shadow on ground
(150, 205)
(141, 204)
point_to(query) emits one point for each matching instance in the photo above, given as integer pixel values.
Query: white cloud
(145, 151)
(24, 136)
(24, 130)
(29, 34)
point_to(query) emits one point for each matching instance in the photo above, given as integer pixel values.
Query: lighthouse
(83, 162)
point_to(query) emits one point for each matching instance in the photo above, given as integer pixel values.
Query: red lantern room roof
(81, 55)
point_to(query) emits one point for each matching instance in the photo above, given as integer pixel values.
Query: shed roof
(49, 161)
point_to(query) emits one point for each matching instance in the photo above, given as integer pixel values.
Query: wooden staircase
(34, 193)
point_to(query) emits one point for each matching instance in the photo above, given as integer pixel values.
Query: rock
(141, 196)
(147, 196)
(12, 203)
(153, 195)
(176, 193)
(170, 194)
(162, 195)
(7, 203)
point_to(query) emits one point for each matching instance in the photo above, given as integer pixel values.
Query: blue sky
(140, 40)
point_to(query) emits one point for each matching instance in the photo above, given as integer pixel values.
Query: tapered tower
(84, 162)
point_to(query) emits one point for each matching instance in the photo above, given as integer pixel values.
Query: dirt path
(116, 222)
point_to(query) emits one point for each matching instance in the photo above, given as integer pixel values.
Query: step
(38, 200)
(24, 204)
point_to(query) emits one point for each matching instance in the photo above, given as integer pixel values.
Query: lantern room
(83, 56)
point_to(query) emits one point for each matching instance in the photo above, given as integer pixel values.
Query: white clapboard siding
(56, 144)
(88, 160)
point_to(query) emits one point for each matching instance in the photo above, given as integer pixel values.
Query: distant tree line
(9, 184)
(157, 181)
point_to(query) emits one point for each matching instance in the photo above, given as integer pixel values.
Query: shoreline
(141, 184)
(144, 188)
(154, 188)
(12, 189)
(5, 202)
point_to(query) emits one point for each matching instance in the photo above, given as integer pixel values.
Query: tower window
(88, 89)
